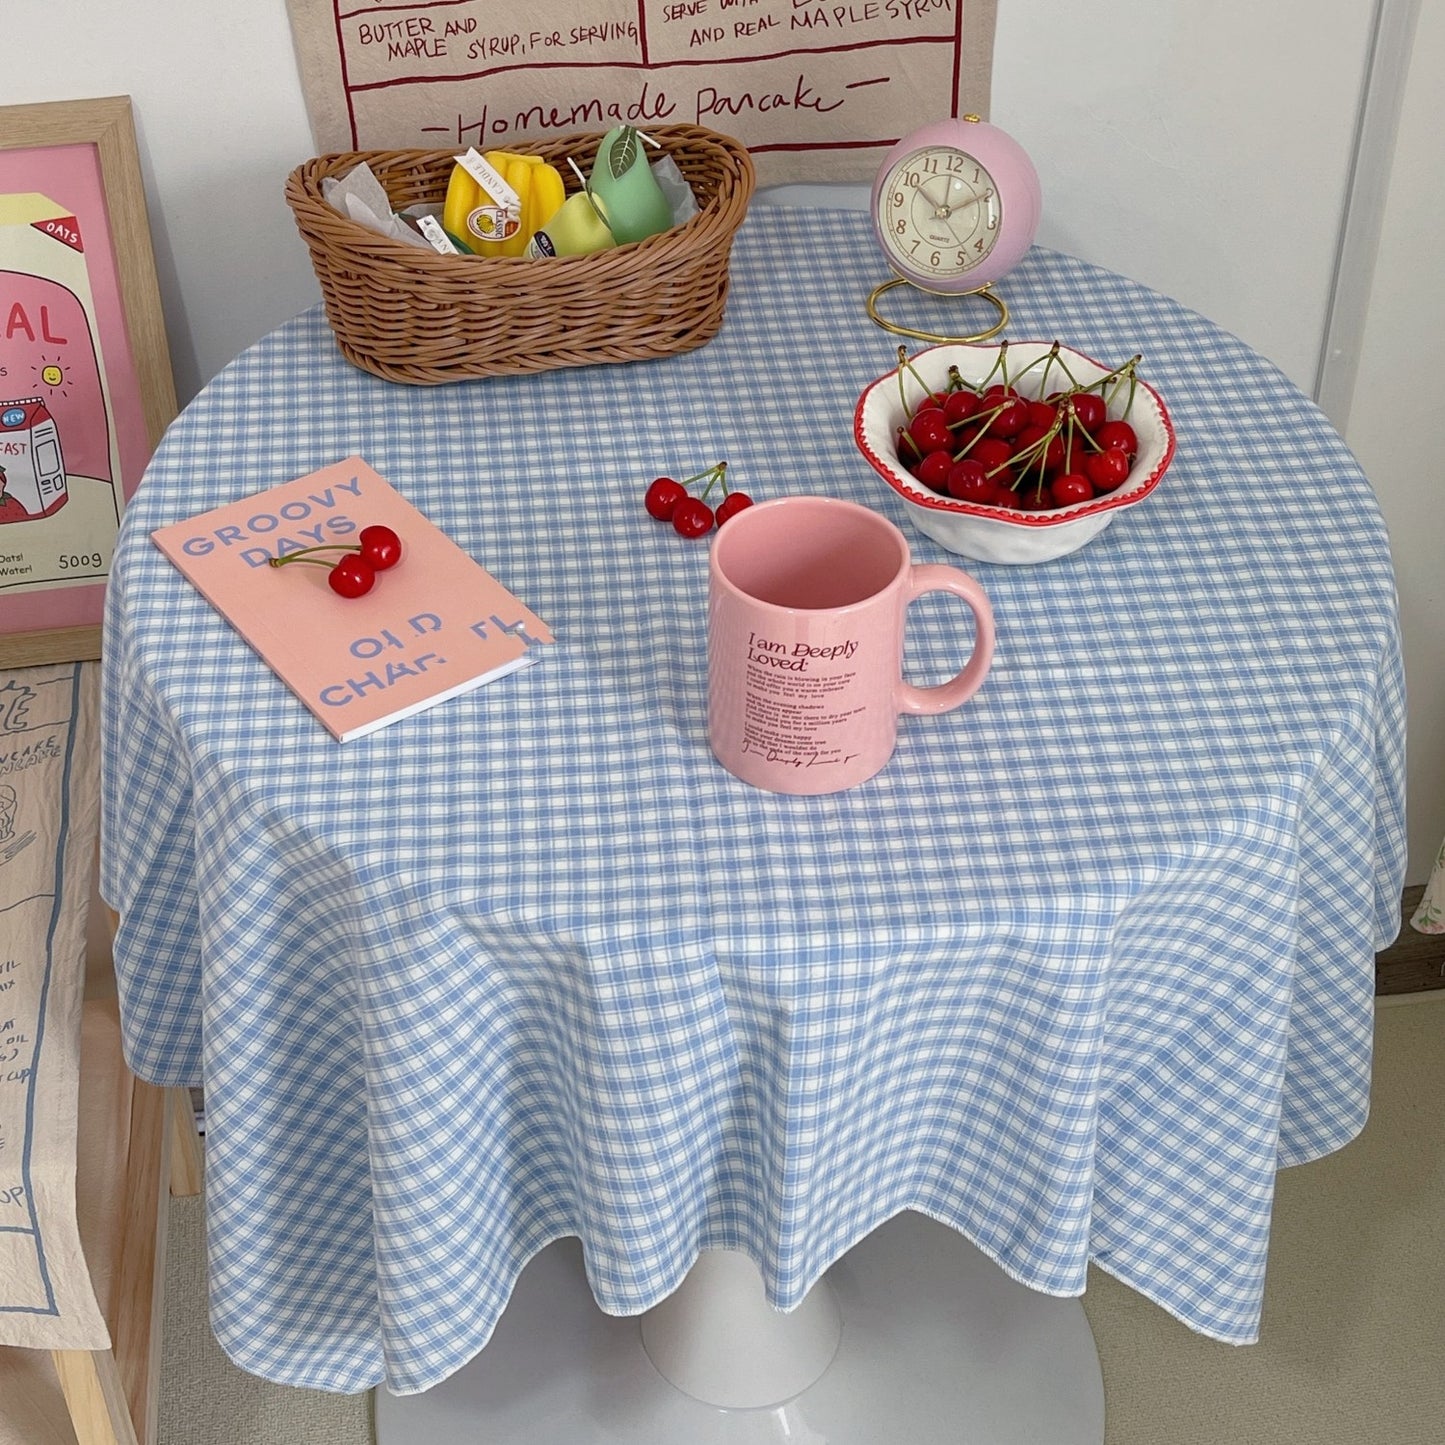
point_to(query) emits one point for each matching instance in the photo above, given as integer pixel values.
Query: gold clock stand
(985, 292)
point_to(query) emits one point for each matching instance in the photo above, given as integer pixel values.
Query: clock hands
(942, 210)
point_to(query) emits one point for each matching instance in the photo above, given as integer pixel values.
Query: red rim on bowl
(914, 491)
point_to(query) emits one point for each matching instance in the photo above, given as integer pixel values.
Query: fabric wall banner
(49, 823)
(817, 90)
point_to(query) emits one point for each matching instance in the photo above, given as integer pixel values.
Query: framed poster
(85, 377)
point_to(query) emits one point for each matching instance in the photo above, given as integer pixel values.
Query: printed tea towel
(816, 89)
(49, 822)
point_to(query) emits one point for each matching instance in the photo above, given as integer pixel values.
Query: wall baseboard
(1415, 961)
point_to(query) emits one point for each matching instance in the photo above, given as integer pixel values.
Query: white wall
(1394, 417)
(1203, 149)
(219, 121)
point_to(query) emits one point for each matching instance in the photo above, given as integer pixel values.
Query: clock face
(938, 215)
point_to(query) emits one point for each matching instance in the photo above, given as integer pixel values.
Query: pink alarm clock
(956, 205)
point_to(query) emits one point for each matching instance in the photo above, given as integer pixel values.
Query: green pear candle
(622, 179)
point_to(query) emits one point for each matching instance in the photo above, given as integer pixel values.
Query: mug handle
(926, 701)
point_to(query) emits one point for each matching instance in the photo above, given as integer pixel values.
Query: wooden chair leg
(137, 1292)
(185, 1145)
(95, 1397)
(185, 1174)
(185, 1142)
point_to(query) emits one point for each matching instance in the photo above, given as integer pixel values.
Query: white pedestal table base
(935, 1346)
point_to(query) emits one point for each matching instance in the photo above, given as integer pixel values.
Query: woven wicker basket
(411, 315)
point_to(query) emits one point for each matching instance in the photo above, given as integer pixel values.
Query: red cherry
(929, 428)
(1005, 497)
(1106, 469)
(933, 470)
(1118, 434)
(691, 517)
(992, 452)
(959, 406)
(968, 482)
(1089, 409)
(1071, 488)
(380, 546)
(353, 576)
(1041, 414)
(731, 505)
(1012, 417)
(662, 497)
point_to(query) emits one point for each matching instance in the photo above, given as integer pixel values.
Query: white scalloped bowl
(996, 534)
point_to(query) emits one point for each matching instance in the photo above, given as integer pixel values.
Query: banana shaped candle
(495, 203)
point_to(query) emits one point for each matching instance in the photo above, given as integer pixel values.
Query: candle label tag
(490, 179)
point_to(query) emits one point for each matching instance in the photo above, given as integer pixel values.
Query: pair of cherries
(377, 549)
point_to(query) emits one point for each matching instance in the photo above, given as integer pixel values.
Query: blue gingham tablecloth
(1074, 974)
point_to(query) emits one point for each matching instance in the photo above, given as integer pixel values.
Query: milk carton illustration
(60, 468)
(32, 466)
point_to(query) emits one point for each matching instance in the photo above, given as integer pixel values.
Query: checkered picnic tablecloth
(1085, 963)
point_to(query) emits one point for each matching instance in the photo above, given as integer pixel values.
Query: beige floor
(1354, 1325)
(1352, 1348)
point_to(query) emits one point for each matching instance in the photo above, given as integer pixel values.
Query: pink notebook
(435, 625)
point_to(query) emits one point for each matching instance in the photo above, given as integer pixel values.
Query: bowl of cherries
(1017, 452)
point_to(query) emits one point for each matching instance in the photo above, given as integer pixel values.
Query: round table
(1082, 967)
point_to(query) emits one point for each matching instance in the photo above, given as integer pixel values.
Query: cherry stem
(1120, 375)
(718, 473)
(1000, 362)
(902, 395)
(1073, 380)
(1049, 360)
(1037, 451)
(973, 441)
(906, 365)
(1051, 355)
(297, 557)
(982, 420)
(305, 551)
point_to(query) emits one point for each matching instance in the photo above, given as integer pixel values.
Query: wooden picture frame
(86, 388)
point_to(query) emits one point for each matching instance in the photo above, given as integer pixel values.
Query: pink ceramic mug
(806, 605)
